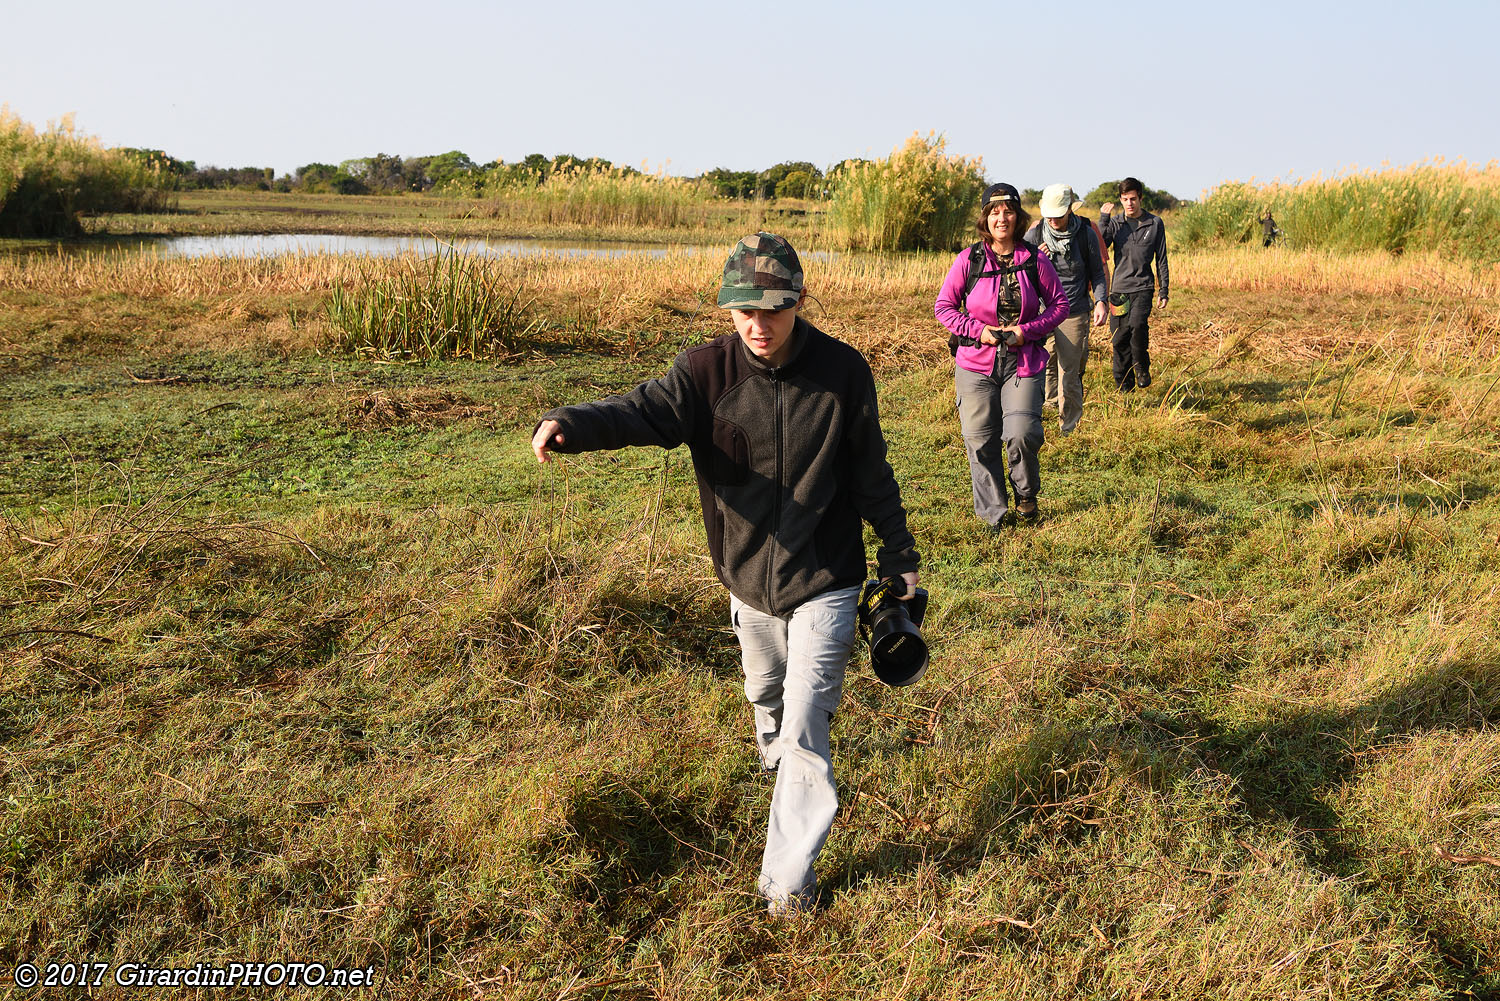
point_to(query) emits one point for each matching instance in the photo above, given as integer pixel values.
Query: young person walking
(1073, 245)
(1140, 240)
(999, 302)
(784, 432)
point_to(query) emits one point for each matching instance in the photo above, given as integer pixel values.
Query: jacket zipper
(776, 514)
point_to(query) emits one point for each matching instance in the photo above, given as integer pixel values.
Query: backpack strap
(976, 272)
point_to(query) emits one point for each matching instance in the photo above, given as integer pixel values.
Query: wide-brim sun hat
(762, 272)
(1057, 201)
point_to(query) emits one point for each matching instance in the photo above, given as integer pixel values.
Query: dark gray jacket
(789, 460)
(1137, 243)
(1083, 271)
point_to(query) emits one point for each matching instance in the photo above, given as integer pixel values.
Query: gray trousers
(1001, 419)
(1070, 353)
(794, 677)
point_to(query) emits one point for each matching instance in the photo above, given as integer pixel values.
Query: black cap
(1001, 192)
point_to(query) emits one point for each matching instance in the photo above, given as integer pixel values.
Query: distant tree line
(456, 173)
(372, 175)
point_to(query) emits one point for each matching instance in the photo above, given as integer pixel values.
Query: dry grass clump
(417, 408)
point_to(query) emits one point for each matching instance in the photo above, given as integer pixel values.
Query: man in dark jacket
(1139, 239)
(782, 424)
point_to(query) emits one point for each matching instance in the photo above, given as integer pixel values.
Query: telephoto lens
(898, 653)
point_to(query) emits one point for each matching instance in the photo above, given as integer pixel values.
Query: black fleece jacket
(789, 461)
(1138, 244)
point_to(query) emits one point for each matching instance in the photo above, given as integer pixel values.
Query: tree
(446, 166)
(732, 183)
(797, 184)
(771, 177)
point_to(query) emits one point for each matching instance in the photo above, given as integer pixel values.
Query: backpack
(976, 263)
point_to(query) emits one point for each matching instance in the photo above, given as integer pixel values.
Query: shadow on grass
(1064, 782)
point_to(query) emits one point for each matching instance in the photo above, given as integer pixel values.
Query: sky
(1181, 95)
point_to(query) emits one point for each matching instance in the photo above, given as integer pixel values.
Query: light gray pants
(1070, 353)
(1001, 418)
(794, 676)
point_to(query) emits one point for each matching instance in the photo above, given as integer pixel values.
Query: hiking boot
(1026, 513)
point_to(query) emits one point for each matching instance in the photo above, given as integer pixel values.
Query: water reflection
(277, 244)
(272, 245)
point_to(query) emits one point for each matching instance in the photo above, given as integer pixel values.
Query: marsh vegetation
(304, 657)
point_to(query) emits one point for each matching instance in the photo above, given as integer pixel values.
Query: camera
(898, 653)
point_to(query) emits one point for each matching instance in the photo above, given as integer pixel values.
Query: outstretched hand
(548, 434)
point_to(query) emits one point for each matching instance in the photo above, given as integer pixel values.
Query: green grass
(305, 658)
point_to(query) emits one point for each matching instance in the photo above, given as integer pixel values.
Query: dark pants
(1131, 335)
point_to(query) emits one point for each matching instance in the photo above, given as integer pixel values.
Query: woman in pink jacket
(1000, 301)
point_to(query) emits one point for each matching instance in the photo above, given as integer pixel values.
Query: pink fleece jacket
(1035, 322)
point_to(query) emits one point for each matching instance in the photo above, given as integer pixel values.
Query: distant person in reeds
(1076, 249)
(1268, 229)
(999, 302)
(785, 436)
(1140, 241)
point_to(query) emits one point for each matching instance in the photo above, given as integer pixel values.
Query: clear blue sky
(1182, 95)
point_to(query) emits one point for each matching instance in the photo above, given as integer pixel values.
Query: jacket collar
(1019, 255)
(802, 334)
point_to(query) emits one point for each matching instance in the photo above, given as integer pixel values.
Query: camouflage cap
(762, 272)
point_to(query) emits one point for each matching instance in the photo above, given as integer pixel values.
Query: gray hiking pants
(794, 677)
(1070, 353)
(1001, 419)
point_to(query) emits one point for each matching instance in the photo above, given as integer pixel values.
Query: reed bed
(1434, 206)
(446, 305)
(608, 198)
(918, 198)
(48, 177)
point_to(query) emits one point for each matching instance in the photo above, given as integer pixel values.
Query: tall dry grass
(48, 177)
(1434, 206)
(918, 198)
(610, 198)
